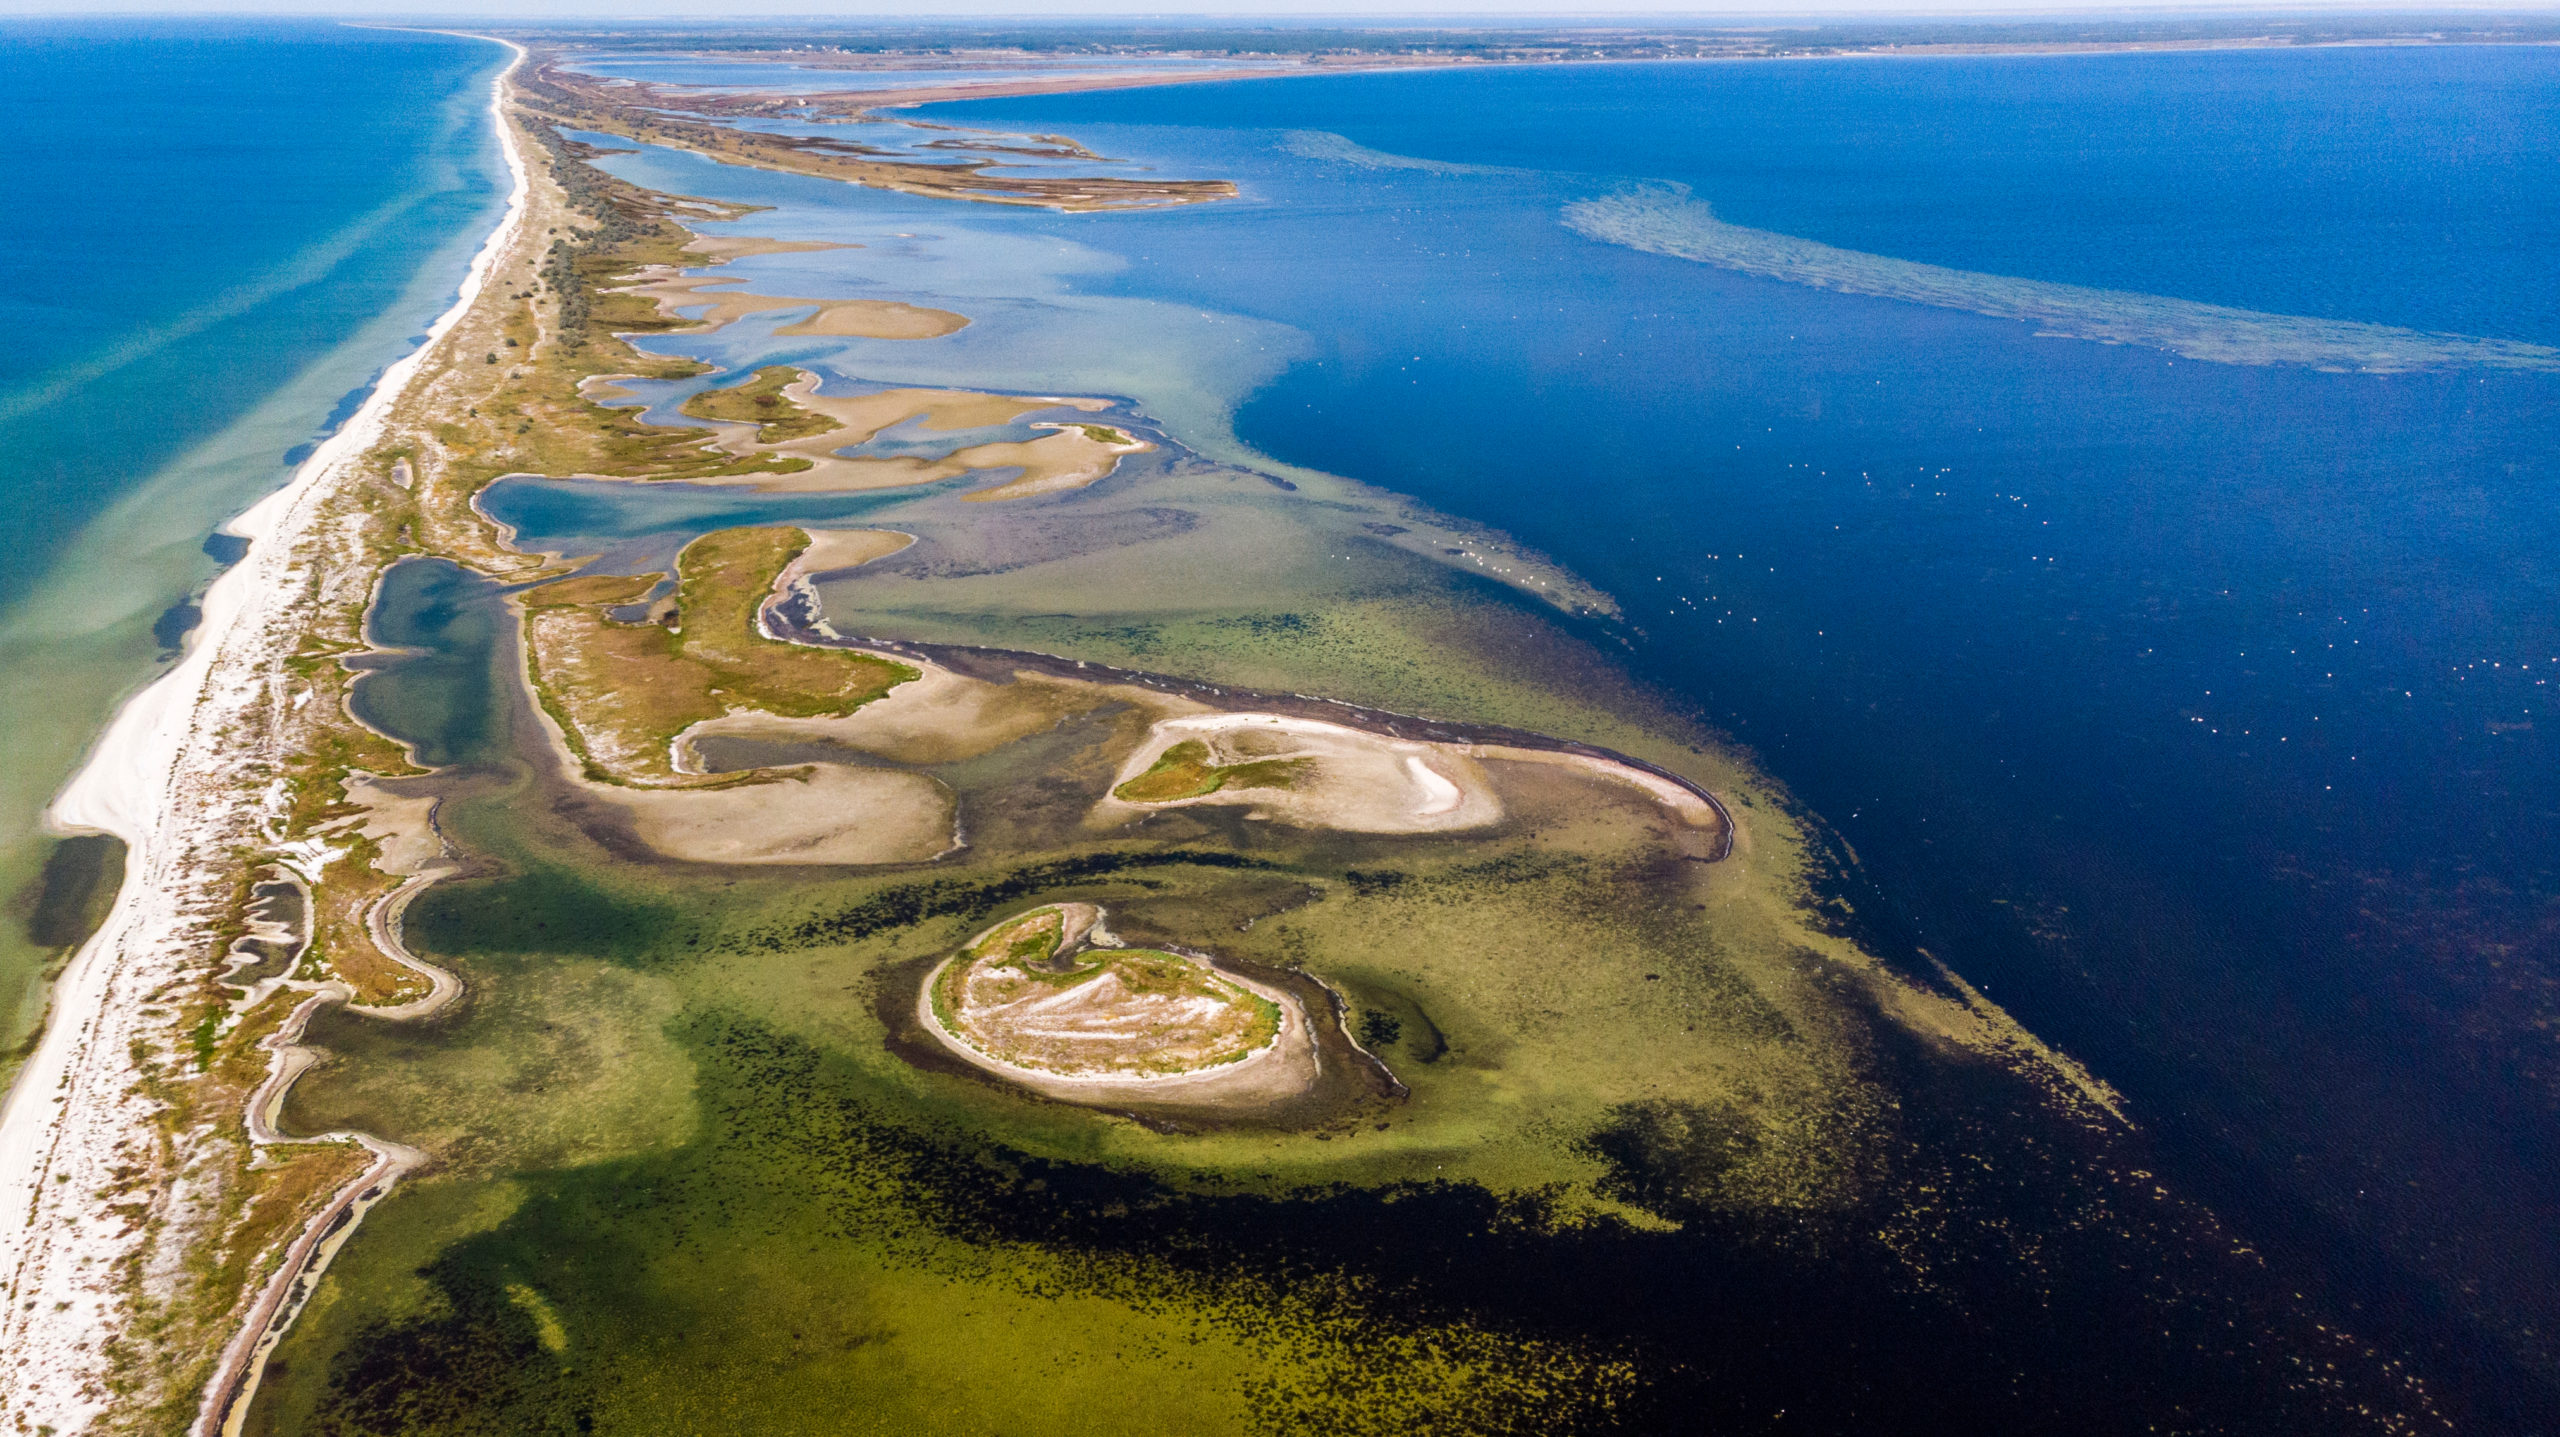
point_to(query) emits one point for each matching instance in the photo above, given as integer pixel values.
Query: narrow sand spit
(1683, 803)
(841, 318)
(1339, 777)
(728, 247)
(413, 851)
(162, 779)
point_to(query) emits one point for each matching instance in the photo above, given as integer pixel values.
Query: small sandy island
(1051, 1000)
(1307, 773)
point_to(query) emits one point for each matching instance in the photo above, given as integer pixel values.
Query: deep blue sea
(224, 230)
(2200, 711)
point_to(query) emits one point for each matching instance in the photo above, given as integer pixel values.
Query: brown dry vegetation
(340, 942)
(623, 692)
(761, 402)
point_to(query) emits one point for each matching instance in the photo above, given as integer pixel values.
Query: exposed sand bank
(826, 814)
(839, 318)
(1070, 457)
(939, 717)
(1678, 798)
(1336, 777)
(729, 247)
(833, 551)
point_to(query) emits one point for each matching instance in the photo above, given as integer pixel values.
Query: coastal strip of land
(685, 119)
(80, 1119)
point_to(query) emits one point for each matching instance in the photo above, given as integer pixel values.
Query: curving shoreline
(75, 1103)
(244, 1358)
(795, 616)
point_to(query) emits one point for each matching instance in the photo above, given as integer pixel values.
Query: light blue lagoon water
(2114, 493)
(226, 229)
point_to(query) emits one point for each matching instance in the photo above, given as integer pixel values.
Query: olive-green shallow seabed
(1616, 1129)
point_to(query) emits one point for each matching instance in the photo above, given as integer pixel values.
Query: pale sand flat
(875, 319)
(940, 717)
(1068, 459)
(832, 551)
(403, 827)
(943, 410)
(830, 814)
(1353, 781)
(729, 247)
(844, 318)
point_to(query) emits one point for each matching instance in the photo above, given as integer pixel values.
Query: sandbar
(838, 318)
(1311, 774)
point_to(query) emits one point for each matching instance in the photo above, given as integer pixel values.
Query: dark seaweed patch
(72, 895)
(1674, 1158)
(549, 910)
(479, 1368)
(2103, 1316)
(909, 904)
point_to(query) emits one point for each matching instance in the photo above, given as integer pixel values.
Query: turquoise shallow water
(2189, 706)
(226, 229)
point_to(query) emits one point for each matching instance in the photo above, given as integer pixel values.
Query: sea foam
(1330, 148)
(1663, 218)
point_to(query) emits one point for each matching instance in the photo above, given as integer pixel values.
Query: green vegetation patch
(1184, 771)
(761, 402)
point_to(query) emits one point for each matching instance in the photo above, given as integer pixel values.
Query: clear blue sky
(1727, 13)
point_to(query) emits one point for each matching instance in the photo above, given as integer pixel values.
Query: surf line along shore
(163, 779)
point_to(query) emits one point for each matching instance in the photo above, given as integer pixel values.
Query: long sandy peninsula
(162, 779)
